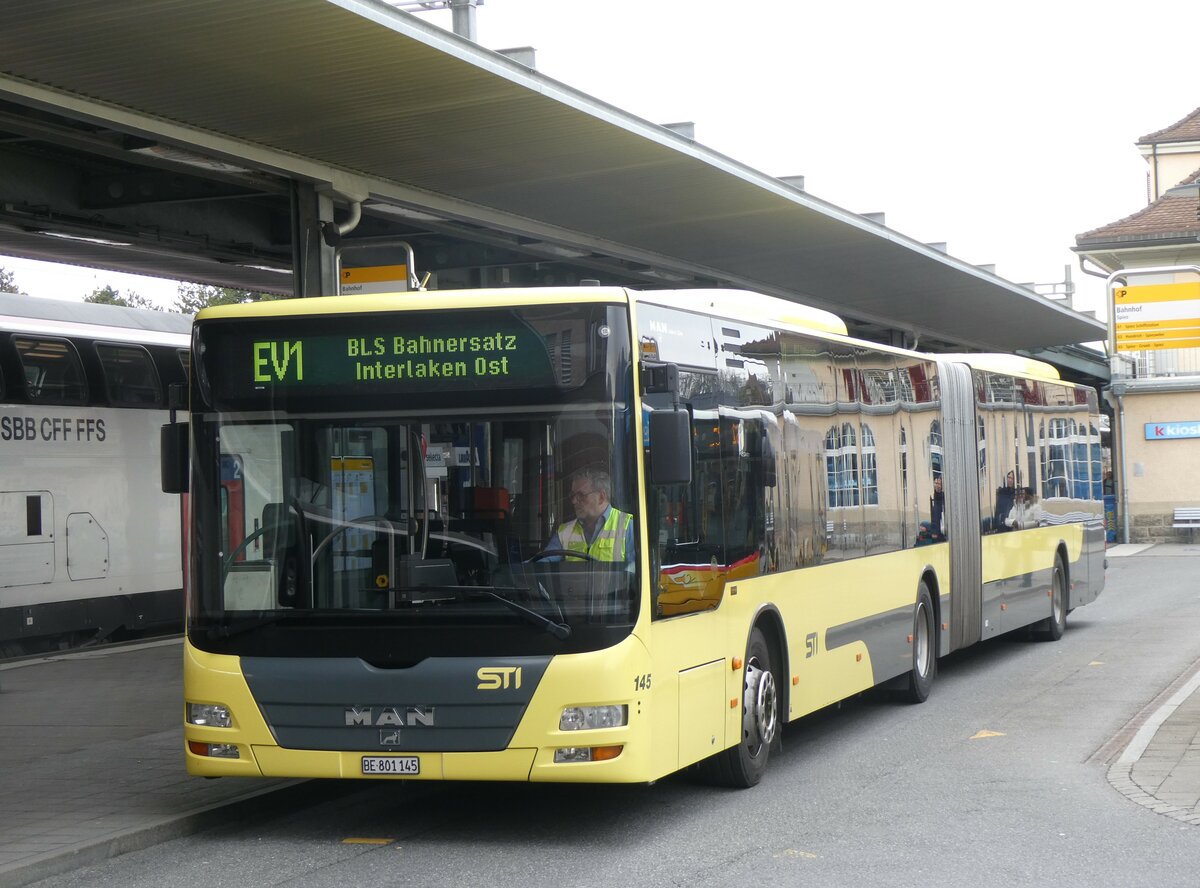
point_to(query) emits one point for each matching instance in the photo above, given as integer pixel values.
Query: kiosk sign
(1169, 431)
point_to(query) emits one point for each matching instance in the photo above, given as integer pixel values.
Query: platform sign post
(1150, 309)
(1157, 316)
(368, 265)
(372, 279)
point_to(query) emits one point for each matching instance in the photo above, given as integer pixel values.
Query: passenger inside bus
(1026, 510)
(935, 530)
(1005, 497)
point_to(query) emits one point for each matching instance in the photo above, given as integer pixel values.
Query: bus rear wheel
(1053, 627)
(924, 649)
(743, 765)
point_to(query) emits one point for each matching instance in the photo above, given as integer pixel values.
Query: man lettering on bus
(599, 530)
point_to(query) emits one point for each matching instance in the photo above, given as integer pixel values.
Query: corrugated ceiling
(361, 88)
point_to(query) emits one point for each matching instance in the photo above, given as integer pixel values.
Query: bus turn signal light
(214, 750)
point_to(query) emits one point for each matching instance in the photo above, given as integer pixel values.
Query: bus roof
(415, 300)
(1012, 365)
(748, 306)
(744, 305)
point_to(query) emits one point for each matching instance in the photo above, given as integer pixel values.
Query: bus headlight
(209, 715)
(586, 718)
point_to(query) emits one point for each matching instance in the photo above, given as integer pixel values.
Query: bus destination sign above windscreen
(489, 358)
(411, 353)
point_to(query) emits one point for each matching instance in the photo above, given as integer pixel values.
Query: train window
(53, 373)
(129, 375)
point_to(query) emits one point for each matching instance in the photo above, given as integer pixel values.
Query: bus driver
(599, 530)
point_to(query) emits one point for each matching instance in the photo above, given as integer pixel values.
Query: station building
(1155, 390)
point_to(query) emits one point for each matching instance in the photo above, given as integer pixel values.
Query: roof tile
(1173, 214)
(1185, 130)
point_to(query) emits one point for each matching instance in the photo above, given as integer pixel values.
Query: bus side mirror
(173, 457)
(670, 447)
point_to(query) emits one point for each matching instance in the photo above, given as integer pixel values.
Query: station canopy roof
(382, 104)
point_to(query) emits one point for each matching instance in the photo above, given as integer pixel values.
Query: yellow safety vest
(609, 544)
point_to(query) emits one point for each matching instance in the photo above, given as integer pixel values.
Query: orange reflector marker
(197, 747)
(604, 753)
(910, 639)
(858, 658)
(737, 663)
(1004, 607)
(945, 626)
(795, 679)
(733, 702)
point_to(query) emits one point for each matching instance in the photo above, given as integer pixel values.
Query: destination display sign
(398, 353)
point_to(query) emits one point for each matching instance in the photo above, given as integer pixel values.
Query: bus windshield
(331, 514)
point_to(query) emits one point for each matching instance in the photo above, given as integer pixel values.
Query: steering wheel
(563, 553)
(247, 540)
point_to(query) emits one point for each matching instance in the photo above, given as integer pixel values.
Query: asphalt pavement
(93, 755)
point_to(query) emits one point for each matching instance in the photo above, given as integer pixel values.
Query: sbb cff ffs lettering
(52, 428)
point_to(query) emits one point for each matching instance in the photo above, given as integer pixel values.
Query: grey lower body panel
(886, 637)
(445, 704)
(1087, 574)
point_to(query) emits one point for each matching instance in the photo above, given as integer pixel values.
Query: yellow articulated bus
(598, 535)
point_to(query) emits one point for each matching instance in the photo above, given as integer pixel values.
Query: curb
(255, 803)
(1137, 736)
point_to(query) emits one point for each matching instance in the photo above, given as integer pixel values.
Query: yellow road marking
(357, 841)
(984, 735)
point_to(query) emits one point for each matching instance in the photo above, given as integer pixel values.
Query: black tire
(743, 765)
(1053, 627)
(924, 648)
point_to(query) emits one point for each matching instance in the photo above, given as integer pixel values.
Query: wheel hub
(760, 714)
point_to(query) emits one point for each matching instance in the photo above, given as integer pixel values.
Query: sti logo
(495, 678)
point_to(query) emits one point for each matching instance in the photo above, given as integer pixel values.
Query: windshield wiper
(558, 630)
(230, 630)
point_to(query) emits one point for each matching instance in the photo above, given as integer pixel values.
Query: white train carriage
(90, 546)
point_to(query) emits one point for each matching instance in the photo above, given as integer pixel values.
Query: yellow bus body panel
(614, 676)
(1022, 552)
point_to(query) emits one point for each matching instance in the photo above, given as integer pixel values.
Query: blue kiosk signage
(1169, 431)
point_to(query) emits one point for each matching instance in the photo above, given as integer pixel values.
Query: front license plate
(391, 764)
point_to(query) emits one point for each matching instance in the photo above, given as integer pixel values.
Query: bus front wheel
(743, 765)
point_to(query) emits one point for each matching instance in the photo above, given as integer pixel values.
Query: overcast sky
(1001, 129)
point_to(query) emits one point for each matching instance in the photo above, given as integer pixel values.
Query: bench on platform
(1187, 517)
